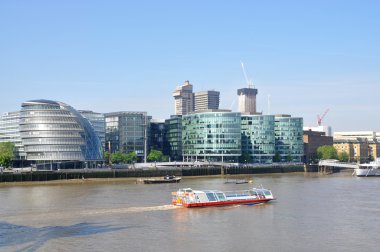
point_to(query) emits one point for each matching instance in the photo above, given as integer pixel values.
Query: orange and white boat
(188, 197)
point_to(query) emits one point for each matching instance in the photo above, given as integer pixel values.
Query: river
(311, 212)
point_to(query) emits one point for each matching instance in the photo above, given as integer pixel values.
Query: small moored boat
(160, 180)
(237, 181)
(188, 197)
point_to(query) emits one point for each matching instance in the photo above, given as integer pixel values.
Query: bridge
(327, 166)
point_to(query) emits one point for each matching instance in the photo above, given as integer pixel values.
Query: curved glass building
(211, 136)
(258, 139)
(55, 132)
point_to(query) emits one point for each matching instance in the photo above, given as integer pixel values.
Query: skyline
(124, 56)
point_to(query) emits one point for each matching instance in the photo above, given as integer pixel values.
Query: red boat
(188, 197)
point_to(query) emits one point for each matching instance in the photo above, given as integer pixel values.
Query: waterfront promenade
(149, 170)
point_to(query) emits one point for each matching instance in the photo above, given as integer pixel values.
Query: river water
(311, 213)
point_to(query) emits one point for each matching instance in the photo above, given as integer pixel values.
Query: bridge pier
(325, 169)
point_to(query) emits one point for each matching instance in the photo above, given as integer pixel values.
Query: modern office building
(288, 138)
(212, 136)
(247, 100)
(173, 138)
(10, 132)
(98, 122)
(184, 99)
(206, 100)
(56, 136)
(157, 134)
(127, 131)
(257, 138)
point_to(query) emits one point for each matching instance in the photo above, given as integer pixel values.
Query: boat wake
(52, 215)
(129, 210)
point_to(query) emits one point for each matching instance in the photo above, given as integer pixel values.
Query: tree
(6, 153)
(118, 157)
(131, 157)
(157, 156)
(327, 152)
(289, 158)
(343, 156)
(106, 157)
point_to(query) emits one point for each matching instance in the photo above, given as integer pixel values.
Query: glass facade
(157, 134)
(54, 131)
(211, 136)
(289, 138)
(98, 122)
(127, 132)
(10, 132)
(173, 138)
(258, 139)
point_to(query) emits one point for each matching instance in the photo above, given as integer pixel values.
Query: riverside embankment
(148, 172)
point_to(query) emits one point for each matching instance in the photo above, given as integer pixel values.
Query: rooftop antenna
(249, 82)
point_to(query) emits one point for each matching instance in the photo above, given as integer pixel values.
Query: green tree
(131, 157)
(118, 157)
(289, 158)
(156, 155)
(327, 152)
(106, 157)
(6, 153)
(343, 156)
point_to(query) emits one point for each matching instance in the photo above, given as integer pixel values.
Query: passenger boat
(160, 180)
(188, 197)
(371, 169)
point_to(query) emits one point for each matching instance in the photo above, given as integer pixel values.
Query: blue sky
(130, 55)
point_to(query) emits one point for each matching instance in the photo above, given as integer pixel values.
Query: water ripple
(34, 238)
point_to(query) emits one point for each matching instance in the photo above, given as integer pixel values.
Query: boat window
(221, 196)
(267, 193)
(253, 193)
(211, 196)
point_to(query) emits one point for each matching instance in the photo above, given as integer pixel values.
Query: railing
(335, 163)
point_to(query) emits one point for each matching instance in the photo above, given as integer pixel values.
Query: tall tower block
(247, 100)
(184, 99)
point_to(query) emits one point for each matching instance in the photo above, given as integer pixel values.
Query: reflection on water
(34, 238)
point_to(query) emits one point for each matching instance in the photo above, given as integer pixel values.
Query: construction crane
(320, 118)
(249, 82)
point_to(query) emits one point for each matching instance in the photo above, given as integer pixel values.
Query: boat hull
(161, 181)
(224, 203)
(367, 172)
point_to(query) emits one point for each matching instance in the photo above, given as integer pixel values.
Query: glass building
(289, 138)
(10, 132)
(127, 132)
(54, 132)
(157, 134)
(173, 138)
(212, 136)
(98, 122)
(258, 139)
